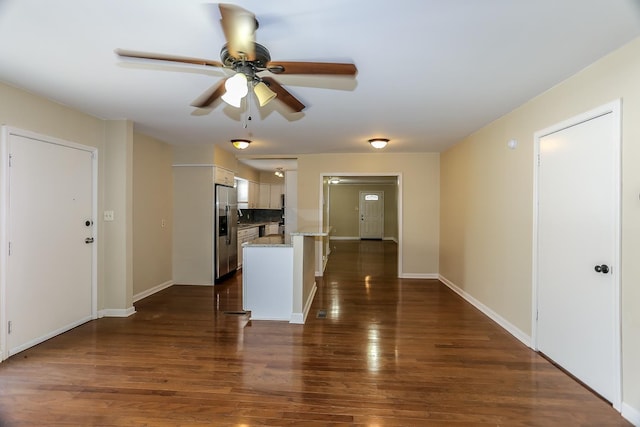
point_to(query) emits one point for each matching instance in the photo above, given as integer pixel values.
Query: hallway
(375, 351)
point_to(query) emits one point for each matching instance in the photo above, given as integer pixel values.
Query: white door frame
(324, 177)
(7, 131)
(614, 108)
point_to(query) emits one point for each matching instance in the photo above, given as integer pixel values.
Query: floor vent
(322, 314)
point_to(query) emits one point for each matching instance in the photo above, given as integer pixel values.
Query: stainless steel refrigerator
(226, 231)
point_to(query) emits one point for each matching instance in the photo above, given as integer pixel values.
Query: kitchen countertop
(312, 231)
(279, 240)
(268, 241)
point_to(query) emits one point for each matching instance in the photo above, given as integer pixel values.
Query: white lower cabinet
(267, 282)
(246, 235)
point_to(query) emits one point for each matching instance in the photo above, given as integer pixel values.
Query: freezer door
(225, 251)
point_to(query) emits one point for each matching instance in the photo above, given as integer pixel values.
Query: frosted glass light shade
(378, 142)
(240, 144)
(237, 89)
(263, 93)
(232, 100)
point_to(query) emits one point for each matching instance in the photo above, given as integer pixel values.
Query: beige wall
(26, 111)
(193, 225)
(420, 179)
(118, 253)
(344, 204)
(193, 154)
(487, 209)
(225, 158)
(270, 178)
(152, 213)
(247, 172)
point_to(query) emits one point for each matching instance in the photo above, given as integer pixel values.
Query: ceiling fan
(247, 59)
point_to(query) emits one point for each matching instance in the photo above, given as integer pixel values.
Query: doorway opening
(343, 214)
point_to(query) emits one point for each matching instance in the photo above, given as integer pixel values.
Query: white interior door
(50, 217)
(577, 275)
(371, 214)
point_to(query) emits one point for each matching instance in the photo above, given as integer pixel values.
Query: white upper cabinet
(254, 194)
(223, 176)
(275, 196)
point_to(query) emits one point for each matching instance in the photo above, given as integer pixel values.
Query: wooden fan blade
(208, 98)
(170, 58)
(279, 67)
(239, 26)
(284, 95)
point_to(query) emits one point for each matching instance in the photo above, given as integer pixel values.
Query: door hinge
(10, 157)
(538, 159)
(9, 326)
(9, 248)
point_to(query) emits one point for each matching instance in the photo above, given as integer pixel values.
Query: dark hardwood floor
(387, 352)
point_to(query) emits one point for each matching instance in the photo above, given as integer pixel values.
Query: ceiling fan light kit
(263, 93)
(237, 89)
(246, 59)
(240, 144)
(279, 173)
(378, 143)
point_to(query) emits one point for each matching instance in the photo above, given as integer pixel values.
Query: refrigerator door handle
(226, 213)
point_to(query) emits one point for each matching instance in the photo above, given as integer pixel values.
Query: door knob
(604, 268)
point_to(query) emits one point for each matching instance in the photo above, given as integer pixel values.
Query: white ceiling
(430, 71)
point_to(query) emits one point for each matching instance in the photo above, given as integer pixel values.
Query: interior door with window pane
(371, 214)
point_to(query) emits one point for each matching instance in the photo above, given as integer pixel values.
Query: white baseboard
(501, 321)
(419, 276)
(151, 291)
(358, 238)
(297, 318)
(300, 318)
(194, 284)
(116, 312)
(631, 414)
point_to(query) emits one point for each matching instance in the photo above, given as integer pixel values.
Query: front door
(577, 259)
(49, 286)
(371, 214)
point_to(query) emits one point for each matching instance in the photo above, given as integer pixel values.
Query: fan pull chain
(249, 101)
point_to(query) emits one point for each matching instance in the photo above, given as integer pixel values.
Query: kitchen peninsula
(278, 276)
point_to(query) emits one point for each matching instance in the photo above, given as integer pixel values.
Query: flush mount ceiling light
(334, 180)
(240, 144)
(279, 173)
(378, 143)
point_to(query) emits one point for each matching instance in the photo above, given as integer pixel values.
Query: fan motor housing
(262, 58)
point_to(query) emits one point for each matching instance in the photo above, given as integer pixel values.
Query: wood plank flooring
(389, 352)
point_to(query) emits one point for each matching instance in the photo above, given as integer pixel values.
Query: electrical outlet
(163, 223)
(108, 215)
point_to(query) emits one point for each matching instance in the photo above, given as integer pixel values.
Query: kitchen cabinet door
(254, 194)
(265, 196)
(223, 176)
(275, 196)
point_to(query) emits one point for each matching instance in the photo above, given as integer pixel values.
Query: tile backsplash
(260, 215)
